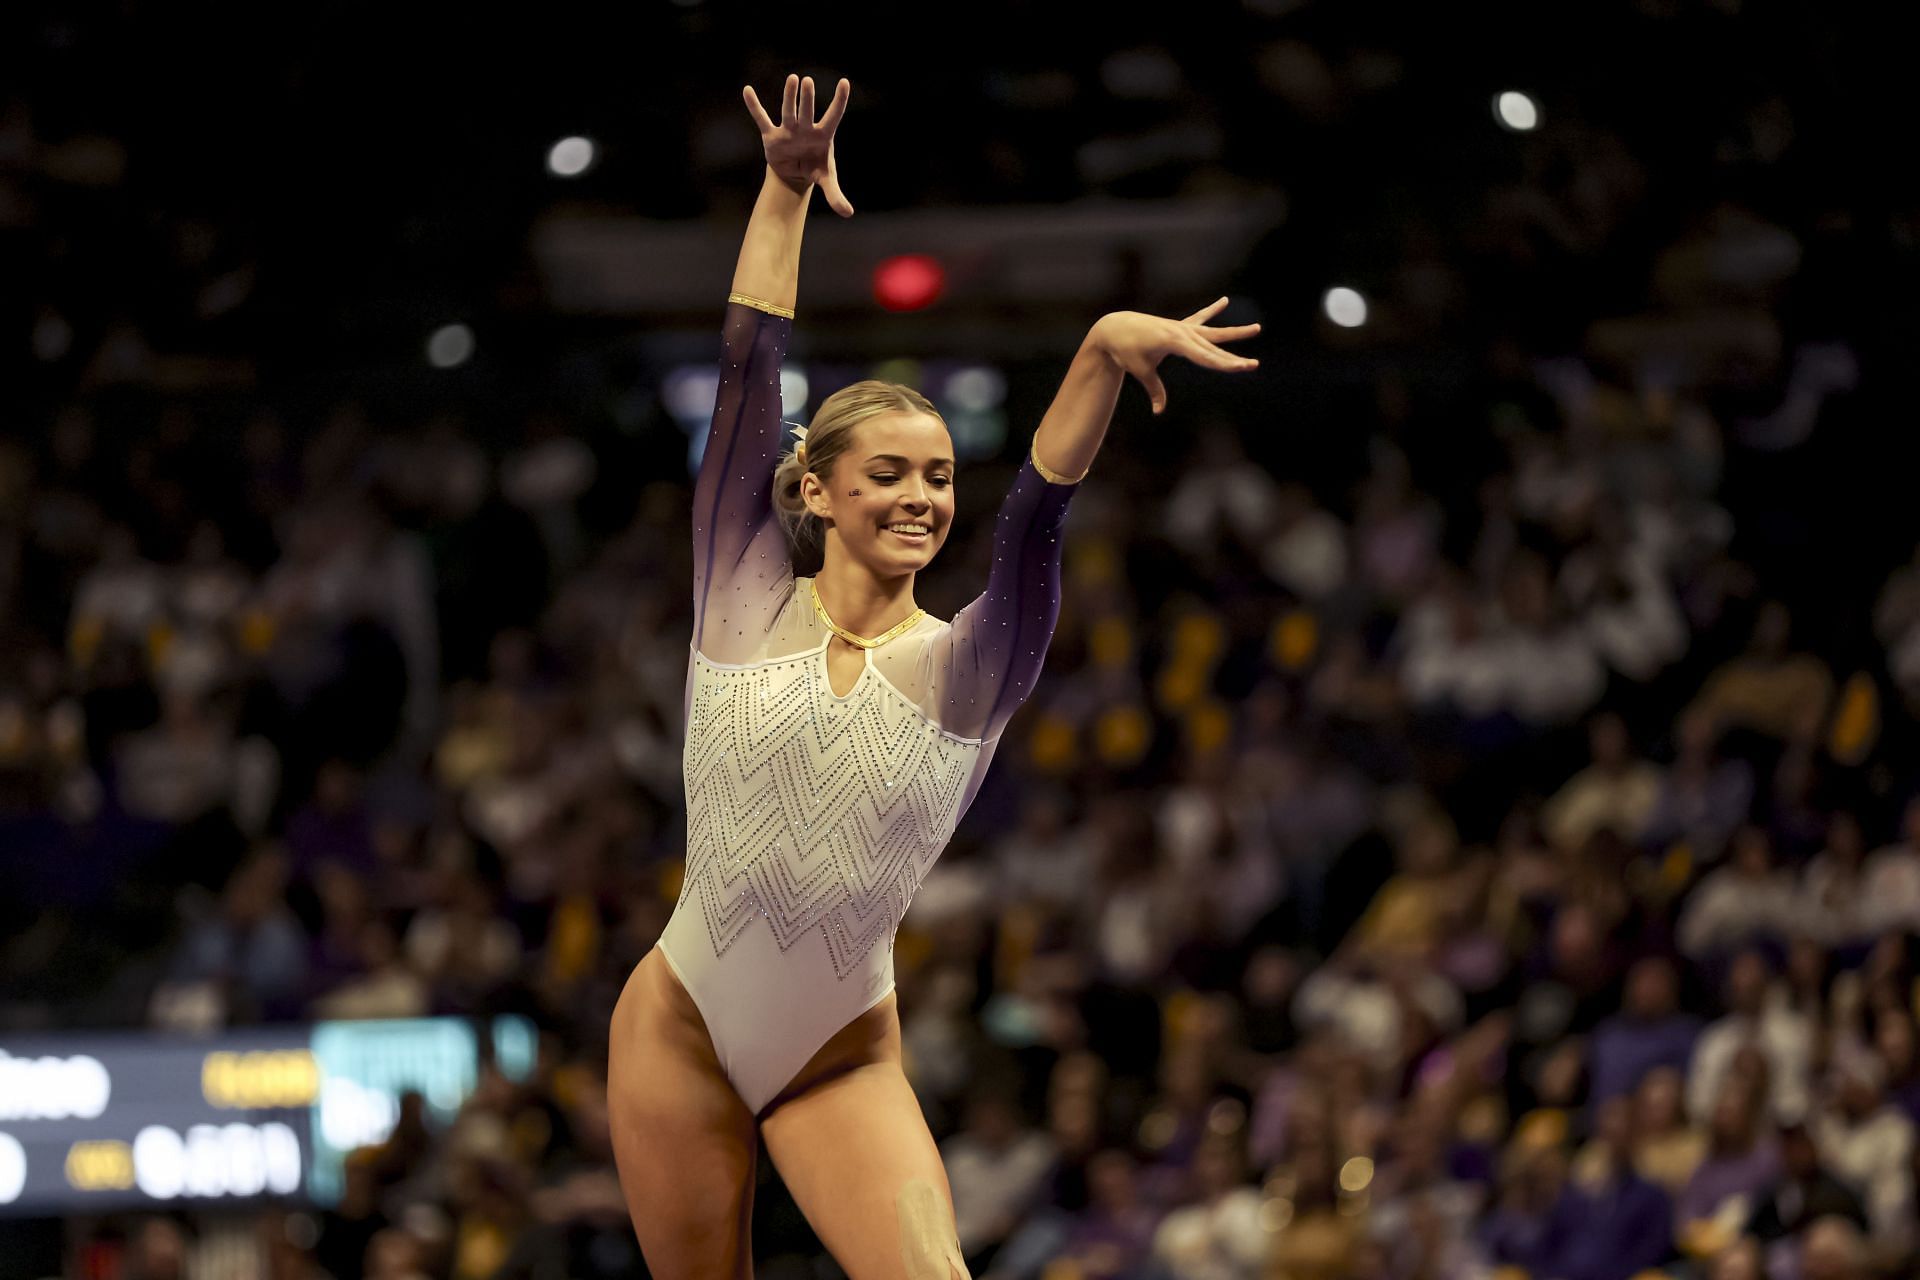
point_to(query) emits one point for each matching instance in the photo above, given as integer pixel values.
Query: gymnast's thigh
(684, 1143)
(855, 1152)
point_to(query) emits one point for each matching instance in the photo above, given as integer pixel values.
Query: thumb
(1155, 392)
(835, 199)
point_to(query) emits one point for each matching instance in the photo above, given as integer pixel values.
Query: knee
(929, 1241)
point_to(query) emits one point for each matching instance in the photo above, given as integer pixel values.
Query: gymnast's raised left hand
(1137, 343)
(800, 150)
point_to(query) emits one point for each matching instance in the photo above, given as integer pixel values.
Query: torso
(764, 720)
(872, 1037)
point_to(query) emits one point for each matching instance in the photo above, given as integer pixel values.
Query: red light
(908, 282)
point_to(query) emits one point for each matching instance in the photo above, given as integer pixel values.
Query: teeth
(909, 528)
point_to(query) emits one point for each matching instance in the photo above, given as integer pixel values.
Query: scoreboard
(105, 1121)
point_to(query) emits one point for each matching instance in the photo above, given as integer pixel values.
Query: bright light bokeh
(1516, 111)
(570, 157)
(1345, 307)
(909, 282)
(977, 388)
(450, 345)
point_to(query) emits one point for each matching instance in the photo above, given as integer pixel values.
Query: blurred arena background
(1467, 825)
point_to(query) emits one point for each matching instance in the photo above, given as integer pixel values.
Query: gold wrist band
(1052, 477)
(771, 308)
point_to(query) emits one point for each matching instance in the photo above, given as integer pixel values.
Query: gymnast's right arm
(735, 531)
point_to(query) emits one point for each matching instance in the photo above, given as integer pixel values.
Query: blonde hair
(828, 436)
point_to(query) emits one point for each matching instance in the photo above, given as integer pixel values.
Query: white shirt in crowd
(1730, 907)
(1891, 889)
(1783, 1034)
(992, 1189)
(1220, 1239)
(1875, 1155)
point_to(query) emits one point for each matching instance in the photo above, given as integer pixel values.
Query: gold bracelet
(1052, 477)
(771, 308)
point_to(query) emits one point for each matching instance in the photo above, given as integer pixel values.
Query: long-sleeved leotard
(812, 818)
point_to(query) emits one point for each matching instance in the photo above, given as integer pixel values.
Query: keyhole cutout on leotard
(844, 664)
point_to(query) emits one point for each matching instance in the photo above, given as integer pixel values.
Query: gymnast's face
(896, 470)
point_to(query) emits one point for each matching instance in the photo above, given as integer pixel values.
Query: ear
(814, 494)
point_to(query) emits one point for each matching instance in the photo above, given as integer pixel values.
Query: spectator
(1741, 1260)
(1890, 879)
(1769, 689)
(1754, 1017)
(1616, 791)
(386, 987)
(1316, 1240)
(1833, 1250)
(1703, 796)
(1833, 905)
(1746, 901)
(1115, 1235)
(1868, 1142)
(1223, 1234)
(1666, 1148)
(998, 1168)
(250, 955)
(1893, 1040)
(1741, 1162)
(1613, 1223)
(1305, 546)
(1649, 1032)
(1517, 1232)
(1803, 1193)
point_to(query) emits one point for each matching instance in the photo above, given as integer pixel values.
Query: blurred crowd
(1466, 832)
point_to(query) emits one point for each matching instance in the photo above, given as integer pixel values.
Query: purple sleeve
(740, 561)
(998, 642)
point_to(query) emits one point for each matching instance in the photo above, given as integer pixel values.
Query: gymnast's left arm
(998, 642)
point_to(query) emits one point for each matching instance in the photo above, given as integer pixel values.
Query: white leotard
(813, 818)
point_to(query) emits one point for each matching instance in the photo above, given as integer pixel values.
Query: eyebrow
(894, 457)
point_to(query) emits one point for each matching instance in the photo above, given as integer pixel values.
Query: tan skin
(847, 1133)
(898, 468)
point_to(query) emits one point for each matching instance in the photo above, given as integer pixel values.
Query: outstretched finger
(836, 108)
(789, 101)
(1205, 353)
(1202, 352)
(806, 100)
(1207, 311)
(759, 112)
(1228, 333)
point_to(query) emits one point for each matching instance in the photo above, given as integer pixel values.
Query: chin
(911, 555)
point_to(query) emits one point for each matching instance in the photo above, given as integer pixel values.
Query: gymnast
(835, 734)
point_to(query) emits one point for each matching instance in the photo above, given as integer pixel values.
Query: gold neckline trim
(861, 642)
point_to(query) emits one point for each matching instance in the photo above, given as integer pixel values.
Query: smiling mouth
(910, 537)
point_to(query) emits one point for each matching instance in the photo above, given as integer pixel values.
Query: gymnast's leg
(856, 1154)
(683, 1141)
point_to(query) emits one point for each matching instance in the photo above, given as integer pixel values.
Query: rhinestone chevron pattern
(813, 812)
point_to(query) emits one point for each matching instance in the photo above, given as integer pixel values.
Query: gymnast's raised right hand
(799, 151)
